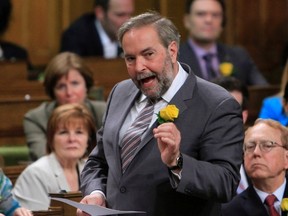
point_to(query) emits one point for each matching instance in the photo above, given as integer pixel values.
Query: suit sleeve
(214, 172)
(94, 174)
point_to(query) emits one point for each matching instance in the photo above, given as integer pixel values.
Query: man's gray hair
(166, 30)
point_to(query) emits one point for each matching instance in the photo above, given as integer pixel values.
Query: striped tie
(132, 137)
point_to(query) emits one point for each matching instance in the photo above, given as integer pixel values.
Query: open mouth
(145, 81)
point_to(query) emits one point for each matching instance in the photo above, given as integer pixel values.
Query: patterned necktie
(209, 68)
(132, 137)
(269, 201)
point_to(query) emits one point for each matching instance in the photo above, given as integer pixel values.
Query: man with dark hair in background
(8, 50)
(95, 34)
(205, 19)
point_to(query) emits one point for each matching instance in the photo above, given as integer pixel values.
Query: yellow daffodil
(168, 114)
(284, 204)
(226, 68)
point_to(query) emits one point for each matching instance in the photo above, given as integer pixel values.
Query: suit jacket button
(123, 189)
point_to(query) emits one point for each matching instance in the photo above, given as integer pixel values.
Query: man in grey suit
(207, 58)
(185, 167)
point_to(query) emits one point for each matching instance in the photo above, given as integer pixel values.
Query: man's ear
(99, 13)
(173, 51)
(186, 21)
(286, 159)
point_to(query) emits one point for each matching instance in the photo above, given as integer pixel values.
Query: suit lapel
(188, 56)
(184, 93)
(285, 195)
(252, 203)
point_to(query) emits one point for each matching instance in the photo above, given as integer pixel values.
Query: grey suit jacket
(35, 124)
(248, 203)
(212, 133)
(244, 68)
(42, 177)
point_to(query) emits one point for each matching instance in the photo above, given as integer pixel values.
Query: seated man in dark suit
(95, 34)
(266, 161)
(207, 58)
(9, 51)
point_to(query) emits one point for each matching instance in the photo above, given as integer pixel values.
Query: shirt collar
(199, 51)
(278, 193)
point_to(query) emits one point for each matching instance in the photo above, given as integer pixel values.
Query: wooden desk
(52, 211)
(107, 72)
(67, 209)
(13, 71)
(11, 119)
(12, 172)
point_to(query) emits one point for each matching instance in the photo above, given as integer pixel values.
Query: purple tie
(269, 201)
(132, 137)
(208, 63)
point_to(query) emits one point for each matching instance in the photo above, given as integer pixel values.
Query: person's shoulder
(13, 50)
(235, 205)
(231, 49)
(96, 105)
(37, 167)
(273, 100)
(41, 110)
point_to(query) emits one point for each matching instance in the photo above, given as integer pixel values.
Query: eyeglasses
(265, 146)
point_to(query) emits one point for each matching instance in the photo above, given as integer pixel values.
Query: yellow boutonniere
(168, 114)
(284, 204)
(226, 68)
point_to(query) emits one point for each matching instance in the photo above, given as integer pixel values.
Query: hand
(92, 199)
(22, 212)
(168, 139)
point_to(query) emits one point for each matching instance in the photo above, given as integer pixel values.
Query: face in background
(151, 66)
(239, 98)
(119, 11)
(269, 166)
(204, 22)
(70, 140)
(70, 88)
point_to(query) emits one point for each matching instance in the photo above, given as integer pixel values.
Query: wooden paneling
(260, 26)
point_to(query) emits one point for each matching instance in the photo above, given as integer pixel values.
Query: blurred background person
(276, 107)
(70, 137)
(67, 80)
(95, 34)
(9, 206)
(8, 50)
(205, 20)
(266, 161)
(239, 91)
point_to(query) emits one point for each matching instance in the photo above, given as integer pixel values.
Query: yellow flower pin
(168, 114)
(284, 204)
(226, 68)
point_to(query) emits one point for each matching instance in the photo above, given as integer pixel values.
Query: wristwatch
(179, 163)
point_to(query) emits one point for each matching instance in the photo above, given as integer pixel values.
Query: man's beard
(164, 79)
(109, 28)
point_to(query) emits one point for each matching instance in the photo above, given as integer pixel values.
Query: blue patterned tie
(132, 137)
